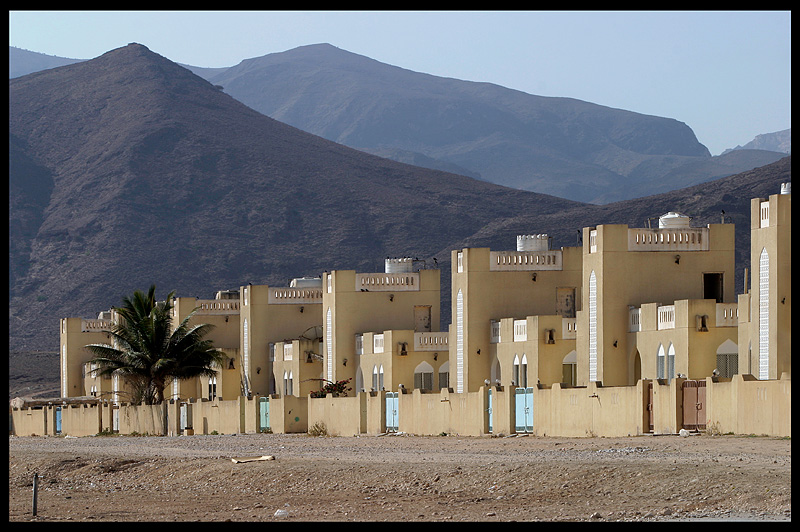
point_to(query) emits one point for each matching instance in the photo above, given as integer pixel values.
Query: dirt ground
(400, 478)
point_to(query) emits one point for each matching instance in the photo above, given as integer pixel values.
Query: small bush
(318, 429)
(335, 388)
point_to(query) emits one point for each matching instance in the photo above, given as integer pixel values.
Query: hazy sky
(725, 74)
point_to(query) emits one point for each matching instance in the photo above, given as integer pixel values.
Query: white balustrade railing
(635, 320)
(727, 315)
(666, 317)
(569, 328)
(95, 325)
(520, 330)
(675, 239)
(763, 216)
(217, 306)
(294, 296)
(494, 332)
(525, 260)
(377, 343)
(430, 341)
(387, 282)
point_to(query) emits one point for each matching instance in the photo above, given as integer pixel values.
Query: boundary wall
(740, 405)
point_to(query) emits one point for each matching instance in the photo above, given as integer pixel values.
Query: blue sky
(725, 74)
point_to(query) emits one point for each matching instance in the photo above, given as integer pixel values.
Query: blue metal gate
(263, 414)
(392, 411)
(58, 420)
(523, 409)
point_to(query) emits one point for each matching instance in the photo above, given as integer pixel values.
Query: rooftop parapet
(387, 282)
(525, 260)
(96, 325)
(217, 306)
(295, 296)
(668, 239)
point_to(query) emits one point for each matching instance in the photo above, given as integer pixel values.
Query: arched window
(660, 356)
(212, 388)
(521, 371)
(569, 368)
(423, 376)
(728, 359)
(444, 375)
(671, 361)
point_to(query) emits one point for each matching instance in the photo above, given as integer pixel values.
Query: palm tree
(148, 353)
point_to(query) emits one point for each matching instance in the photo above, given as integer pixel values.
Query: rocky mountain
(779, 141)
(128, 169)
(22, 62)
(559, 146)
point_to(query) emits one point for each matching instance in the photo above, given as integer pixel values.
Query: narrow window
(329, 342)
(592, 327)
(460, 342)
(763, 315)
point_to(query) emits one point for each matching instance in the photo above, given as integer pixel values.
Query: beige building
(614, 337)
(356, 303)
(270, 315)
(395, 359)
(765, 338)
(77, 378)
(533, 350)
(223, 313)
(297, 366)
(625, 268)
(690, 338)
(488, 286)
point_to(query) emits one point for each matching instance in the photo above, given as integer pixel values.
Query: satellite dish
(313, 333)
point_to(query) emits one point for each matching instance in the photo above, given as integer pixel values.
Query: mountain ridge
(559, 146)
(503, 135)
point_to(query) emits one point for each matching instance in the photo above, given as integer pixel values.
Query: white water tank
(786, 188)
(533, 242)
(306, 282)
(673, 220)
(399, 265)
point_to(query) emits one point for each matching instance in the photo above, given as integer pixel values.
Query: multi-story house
(399, 298)
(765, 310)
(395, 359)
(222, 313)
(625, 268)
(488, 286)
(270, 315)
(77, 377)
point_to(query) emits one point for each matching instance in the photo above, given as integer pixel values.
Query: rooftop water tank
(306, 282)
(227, 294)
(399, 265)
(786, 188)
(533, 242)
(673, 220)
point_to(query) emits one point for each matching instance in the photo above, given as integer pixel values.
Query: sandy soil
(400, 478)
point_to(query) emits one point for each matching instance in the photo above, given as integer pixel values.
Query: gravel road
(400, 478)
